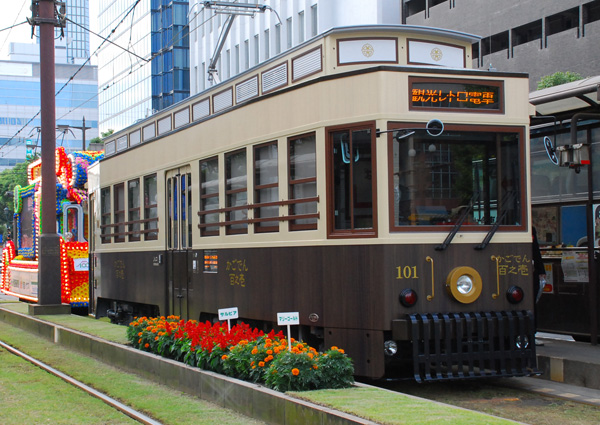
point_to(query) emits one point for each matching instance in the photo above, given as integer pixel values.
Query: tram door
(92, 252)
(179, 239)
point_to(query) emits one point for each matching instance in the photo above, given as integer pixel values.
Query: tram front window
(436, 179)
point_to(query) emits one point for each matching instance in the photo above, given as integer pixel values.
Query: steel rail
(134, 414)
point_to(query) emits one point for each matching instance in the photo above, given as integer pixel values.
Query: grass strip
(160, 402)
(375, 404)
(392, 408)
(29, 395)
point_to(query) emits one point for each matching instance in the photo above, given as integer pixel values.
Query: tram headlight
(390, 348)
(464, 284)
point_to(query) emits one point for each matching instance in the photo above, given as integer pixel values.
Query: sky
(17, 11)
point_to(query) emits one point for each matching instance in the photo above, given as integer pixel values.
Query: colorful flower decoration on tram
(71, 176)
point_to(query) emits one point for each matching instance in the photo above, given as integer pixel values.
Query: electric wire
(70, 79)
(174, 40)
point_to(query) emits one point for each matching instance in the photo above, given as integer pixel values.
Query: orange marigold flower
(341, 351)
(315, 367)
(295, 371)
(269, 352)
(261, 364)
(334, 348)
(140, 341)
(255, 351)
(146, 345)
(156, 338)
(140, 333)
(311, 355)
(224, 357)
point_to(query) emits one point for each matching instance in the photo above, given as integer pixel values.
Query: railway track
(526, 400)
(115, 404)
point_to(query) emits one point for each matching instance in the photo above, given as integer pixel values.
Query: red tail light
(514, 295)
(408, 297)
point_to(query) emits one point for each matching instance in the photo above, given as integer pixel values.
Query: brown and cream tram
(368, 179)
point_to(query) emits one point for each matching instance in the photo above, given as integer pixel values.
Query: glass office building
(77, 37)
(150, 69)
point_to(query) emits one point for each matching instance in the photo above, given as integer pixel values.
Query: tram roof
(574, 96)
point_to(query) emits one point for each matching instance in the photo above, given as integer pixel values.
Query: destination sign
(459, 95)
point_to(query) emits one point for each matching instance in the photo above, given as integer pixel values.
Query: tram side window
(266, 187)
(133, 209)
(435, 180)
(150, 208)
(236, 178)
(209, 196)
(105, 206)
(351, 179)
(119, 212)
(303, 182)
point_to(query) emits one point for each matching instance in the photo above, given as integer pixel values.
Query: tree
(104, 135)
(557, 79)
(8, 180)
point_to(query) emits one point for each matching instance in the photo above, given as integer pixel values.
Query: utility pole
(46, 16)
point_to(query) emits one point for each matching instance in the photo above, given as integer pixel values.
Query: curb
(246, 398)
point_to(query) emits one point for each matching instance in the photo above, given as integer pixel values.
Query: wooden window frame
(257, 188)
(204, 231)
(332, 233)
(500, 129)
(119, 225)
(134, 236)
(228, 208)
(293, 182)
(148, 232)
(105, 226)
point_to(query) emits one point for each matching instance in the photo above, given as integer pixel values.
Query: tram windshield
(437, 179)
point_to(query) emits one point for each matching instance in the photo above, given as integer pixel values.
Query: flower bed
(243, 353)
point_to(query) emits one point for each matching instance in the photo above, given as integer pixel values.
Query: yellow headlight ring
(452, 289)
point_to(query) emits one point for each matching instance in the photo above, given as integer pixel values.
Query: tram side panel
(137, 280)
(350, 295)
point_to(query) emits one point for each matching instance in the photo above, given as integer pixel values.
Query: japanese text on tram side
(237, 272)
(514, 265)
(119, 267)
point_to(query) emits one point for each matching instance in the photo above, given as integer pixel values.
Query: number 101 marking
(407, 272)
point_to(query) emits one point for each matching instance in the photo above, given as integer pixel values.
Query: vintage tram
(367, 179)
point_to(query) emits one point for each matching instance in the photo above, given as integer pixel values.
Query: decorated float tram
(20, 255)
(367, 179)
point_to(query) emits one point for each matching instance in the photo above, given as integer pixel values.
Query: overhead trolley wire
(72, 77)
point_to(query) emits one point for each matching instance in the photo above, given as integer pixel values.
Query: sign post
(288, 319)
(228, 314)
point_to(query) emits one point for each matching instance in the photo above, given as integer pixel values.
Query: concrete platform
(569, 362)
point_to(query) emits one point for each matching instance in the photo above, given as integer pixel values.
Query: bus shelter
(565, 185)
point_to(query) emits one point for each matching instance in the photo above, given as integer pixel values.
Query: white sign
(421, 52)
(288, 318)
(81, 264)
(368, 50)
(228, 313)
